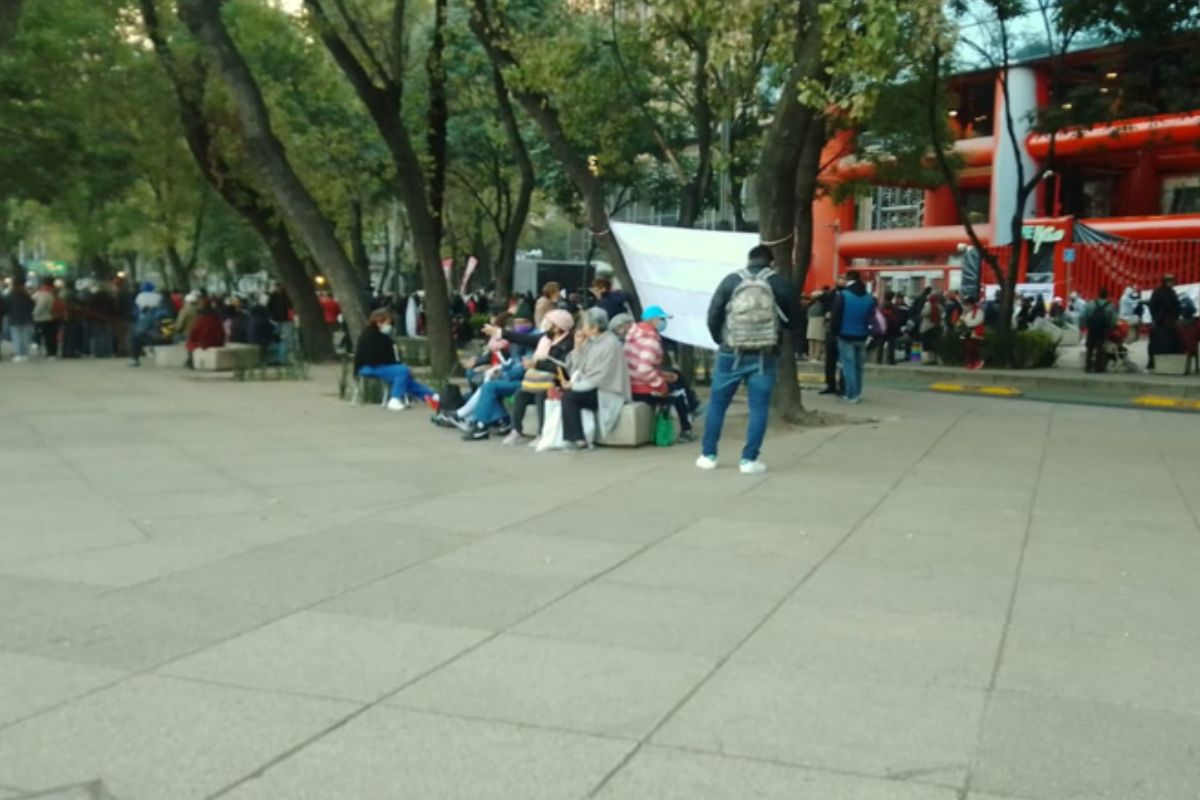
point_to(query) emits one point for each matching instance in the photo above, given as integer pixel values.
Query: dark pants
(888, 348)
(573, 404)
(831, 363)
(521, 403)
(47, 333)
(678, 399)
(1097, 358)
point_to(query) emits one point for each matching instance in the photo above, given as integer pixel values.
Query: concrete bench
(634, 428)
(1170, 364)
(225, 359)
(170, 355)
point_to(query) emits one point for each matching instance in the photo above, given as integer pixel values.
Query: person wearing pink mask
(550, 351)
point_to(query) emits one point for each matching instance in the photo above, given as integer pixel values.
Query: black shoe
(827, 391)
(504, 429)
(476, 434)
(687, 436)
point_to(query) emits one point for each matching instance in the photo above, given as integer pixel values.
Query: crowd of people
(65, 319)
(915, 328)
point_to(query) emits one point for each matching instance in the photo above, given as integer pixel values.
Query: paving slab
(667, 620)
(944, 649)
(466, 598)
(1136, 669)
(348, 658)
(611, 691)
(921, 733)
(29, 684)
(669, 774)
(389, 753)
(1045, 747)
(149, 738)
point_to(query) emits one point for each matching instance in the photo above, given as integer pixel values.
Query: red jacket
(643, 358)
(207, 331)
(330, 308)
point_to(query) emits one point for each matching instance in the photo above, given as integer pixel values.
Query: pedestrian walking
(747, 317)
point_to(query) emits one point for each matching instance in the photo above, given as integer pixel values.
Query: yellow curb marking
(1155, 401)
(990, 391)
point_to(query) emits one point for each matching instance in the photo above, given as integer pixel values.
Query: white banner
(679, 269)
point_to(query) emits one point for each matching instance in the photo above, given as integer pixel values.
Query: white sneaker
(396, 404)
(707, 462)
(753, 468)
(514, 438)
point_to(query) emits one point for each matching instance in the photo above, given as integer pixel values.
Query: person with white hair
(187, 317)
(599, 381)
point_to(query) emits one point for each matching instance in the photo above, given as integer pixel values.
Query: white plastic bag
(552, 429)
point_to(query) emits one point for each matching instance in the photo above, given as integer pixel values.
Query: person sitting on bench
(207, 330)
(650, 384)
(375, 357)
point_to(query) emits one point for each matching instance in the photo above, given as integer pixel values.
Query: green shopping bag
(664, 428)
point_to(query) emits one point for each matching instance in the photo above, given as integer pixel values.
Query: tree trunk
(314, 333)
(385, 107)
(269, 157)
(177, 273)
(358, 247)
(786, 150)
(244, 199)
(10, 15)
(537, 105)
(506, 267)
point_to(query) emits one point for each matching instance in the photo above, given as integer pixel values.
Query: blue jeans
(401, 379)
(852, 355)
(490, 408)
(758, 373)
(22, 337)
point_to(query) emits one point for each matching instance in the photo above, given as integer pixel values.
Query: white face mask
(545, 325)
(386, 330)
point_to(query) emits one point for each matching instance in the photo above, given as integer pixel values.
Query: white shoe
(396, 404)
(707, 462)
(752, 468)
(513, 439)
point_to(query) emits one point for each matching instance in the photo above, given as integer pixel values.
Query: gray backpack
(752, 317)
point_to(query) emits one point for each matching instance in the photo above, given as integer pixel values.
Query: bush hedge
(1004, 349)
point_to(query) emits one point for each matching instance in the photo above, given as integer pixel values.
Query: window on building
(1181, 195)
(896, 207)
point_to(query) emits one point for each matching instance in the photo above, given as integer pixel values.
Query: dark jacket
(278, 306)
(613, 302)
(786, 297)
(1164, 305)
(558, 352)
(374, 349)
(852, 313)
(262, 332)
(19, 307)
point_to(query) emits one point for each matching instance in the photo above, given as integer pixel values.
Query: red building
(1121, 205)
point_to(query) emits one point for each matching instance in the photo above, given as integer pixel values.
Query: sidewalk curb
(1187, 387)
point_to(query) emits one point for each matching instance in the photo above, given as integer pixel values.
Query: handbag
(537, 380)
(664, 428)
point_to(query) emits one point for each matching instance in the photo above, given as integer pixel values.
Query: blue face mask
(660, 324)
(524, 327)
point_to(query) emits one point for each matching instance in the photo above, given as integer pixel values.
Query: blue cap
(147, 286)
(654, 312)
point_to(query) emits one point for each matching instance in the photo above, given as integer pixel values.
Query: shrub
(1003, 349)
(1019, 349)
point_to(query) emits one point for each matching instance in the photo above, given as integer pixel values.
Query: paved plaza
(257, 592)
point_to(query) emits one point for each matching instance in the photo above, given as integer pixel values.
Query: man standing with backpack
(852, 319)
(747, 316)
(1100, 318)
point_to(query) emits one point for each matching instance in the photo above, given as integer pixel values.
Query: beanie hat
(561, 319)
